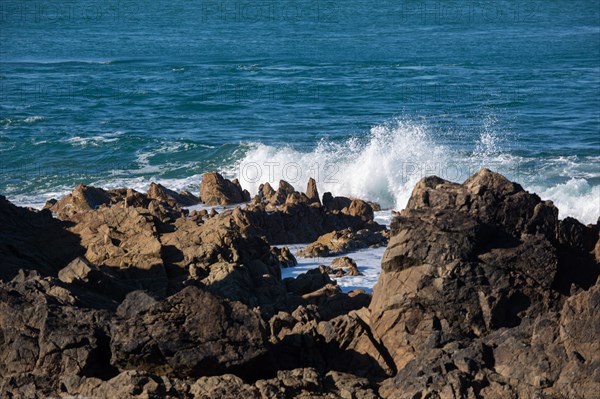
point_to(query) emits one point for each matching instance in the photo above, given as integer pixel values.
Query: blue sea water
(366, 96)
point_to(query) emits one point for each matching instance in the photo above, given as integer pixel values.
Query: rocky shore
(484, 293)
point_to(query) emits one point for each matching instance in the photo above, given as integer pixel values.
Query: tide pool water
(367, 97)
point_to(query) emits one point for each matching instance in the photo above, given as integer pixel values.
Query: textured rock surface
(468, 303)
(161, 193)
(191, 333)
(484, 293)
(347, 265)
(33, 240)
(47, 333)
(343, 241)
(216, 190)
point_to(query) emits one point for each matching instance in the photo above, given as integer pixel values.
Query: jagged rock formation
(484, 293)
(471, 299)
(216, 190)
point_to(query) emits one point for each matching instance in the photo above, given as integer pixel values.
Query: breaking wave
(385, 166)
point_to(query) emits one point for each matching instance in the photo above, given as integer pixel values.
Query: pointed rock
(311, 191)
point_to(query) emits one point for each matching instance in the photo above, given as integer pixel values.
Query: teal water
(365, 96)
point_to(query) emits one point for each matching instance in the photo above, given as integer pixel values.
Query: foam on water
(367, 260)
(385, 166)
(382, 166)
(576, 198)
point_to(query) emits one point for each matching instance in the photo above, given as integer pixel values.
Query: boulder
(161, 193)
(190, 334)
(348, 265)
(308, 282)
(332, 203)
(360, 208)
(343, 241)
(79, 269)
(216, 190)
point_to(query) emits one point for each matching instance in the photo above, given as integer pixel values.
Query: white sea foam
(576, 198)
(35, 118)
(367, 260)
(94, 140)
(385, 166)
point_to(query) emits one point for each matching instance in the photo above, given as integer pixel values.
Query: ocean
(367, 97)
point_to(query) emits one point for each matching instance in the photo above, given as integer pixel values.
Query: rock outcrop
(468, 301)
(190, 334)
(216, 190)
(347, 265)
(343, 241)
(161, 193)
(34, 240)
(484, 293)
(312, 193)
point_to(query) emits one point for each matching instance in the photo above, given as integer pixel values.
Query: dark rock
(34, 240)
(311, 192)
(190, 334)
(285, 257)
(332, 203)
(308, 282)
(45, 333)
(348, 265)
(466, 303)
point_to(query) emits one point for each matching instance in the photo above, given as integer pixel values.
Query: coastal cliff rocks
(163, 194)
(483, 293)
(46, 333)
(190, 334)
(216, 190)
(473, 270)
(33, 240)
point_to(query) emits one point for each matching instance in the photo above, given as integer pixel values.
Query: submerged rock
(343, 241)
(347, 265)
